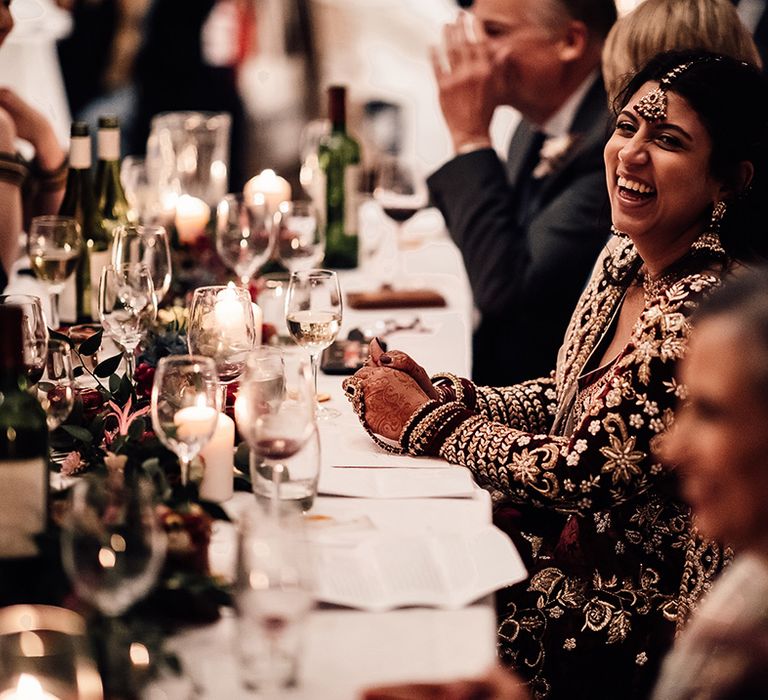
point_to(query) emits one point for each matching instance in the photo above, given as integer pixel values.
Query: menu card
(379, 571)
(442, 482)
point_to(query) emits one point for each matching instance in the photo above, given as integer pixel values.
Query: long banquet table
(346, 650)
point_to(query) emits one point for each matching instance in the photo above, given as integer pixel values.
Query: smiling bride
(615, 563)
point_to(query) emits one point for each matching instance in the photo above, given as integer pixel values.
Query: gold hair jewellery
(653, 106)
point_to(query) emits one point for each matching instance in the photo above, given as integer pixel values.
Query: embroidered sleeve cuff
(429, 427)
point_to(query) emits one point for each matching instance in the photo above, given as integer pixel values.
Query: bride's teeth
(635, 186)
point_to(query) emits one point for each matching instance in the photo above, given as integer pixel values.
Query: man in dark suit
(529, 233)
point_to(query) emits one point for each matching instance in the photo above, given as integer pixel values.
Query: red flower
(92, 400)
(267, 332)
(144, 376)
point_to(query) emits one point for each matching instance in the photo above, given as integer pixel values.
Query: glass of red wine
(35, 333)
(275, 413)
(400, 194)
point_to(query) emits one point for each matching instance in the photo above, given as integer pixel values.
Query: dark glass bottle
(23, 455)
(110, 196)
(339, 158)
(80, 203)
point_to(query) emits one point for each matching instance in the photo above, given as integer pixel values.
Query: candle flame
(29, 687)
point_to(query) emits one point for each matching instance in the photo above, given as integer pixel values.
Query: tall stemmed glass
(221, 327)
(313, 314)
(275, 412)
(56, 390)
(400, 193)
(244, 234)
(113, 548)
(35, 333)
(54, 246)
(300, 238)
(147, 245)
(184, 405)
(127, 307)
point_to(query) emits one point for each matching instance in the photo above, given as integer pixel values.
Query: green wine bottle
(110, 197)
(339, 158)
(79, 202)
(23, 447)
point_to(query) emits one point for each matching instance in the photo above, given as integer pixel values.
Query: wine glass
(54, 246)
(221, 326)
(244, 234)
(273, 595)
(184, 405)
(127, 307)
(400, 194)
(113, 549)
(34, 331)
(147, 245)
(313, 315)
(275, 414)
(56, 390)
(300, 238)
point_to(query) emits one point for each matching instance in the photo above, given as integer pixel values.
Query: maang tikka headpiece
(653, 106)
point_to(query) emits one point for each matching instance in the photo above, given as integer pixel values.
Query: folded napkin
(388, 298)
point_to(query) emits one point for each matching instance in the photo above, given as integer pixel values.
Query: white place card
(443, 482)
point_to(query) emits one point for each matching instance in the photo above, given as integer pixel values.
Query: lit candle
(228, 313)
(275, 189)
(219, 458)
(28, 688)
(195, 423)
(192, 215)
(258, 320)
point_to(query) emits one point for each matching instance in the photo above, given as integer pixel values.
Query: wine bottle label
(99, 260)
(22, 506)
(80, 152)
(351, 189)
(109, 144)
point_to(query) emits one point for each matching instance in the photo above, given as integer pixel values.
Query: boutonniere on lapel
(552, 154)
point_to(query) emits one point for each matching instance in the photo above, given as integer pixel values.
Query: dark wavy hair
(730, 98)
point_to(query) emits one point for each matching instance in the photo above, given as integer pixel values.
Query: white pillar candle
(192, 215)
(195, 423)
(275, 189)
(229, 314)
(28, 688)
(258, 320)
(219, 458)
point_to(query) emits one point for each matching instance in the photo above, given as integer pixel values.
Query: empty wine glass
(273, 595)
(300, 239)
(127, 307)
(275, 414)
(54, 245)
(221, 326)
(113, 549)
(313, 314)
(56, 390)
(184, 405)
(147, 245)
(35, 333)
(244, 234)
(400, 193)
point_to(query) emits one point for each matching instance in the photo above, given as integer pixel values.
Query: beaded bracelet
(13, 168)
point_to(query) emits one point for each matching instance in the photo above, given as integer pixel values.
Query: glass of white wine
(54, 246)
(313, 312)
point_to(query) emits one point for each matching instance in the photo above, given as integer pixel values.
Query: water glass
(184, 405)
(56, 390)
(273, 595)
(244, 235)
(221, 326)
(145, 245)
(300, 238)
(127, 307)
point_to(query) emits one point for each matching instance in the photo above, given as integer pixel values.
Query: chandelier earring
(709, 241)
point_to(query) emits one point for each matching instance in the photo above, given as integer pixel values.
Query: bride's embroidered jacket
(615, 566)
